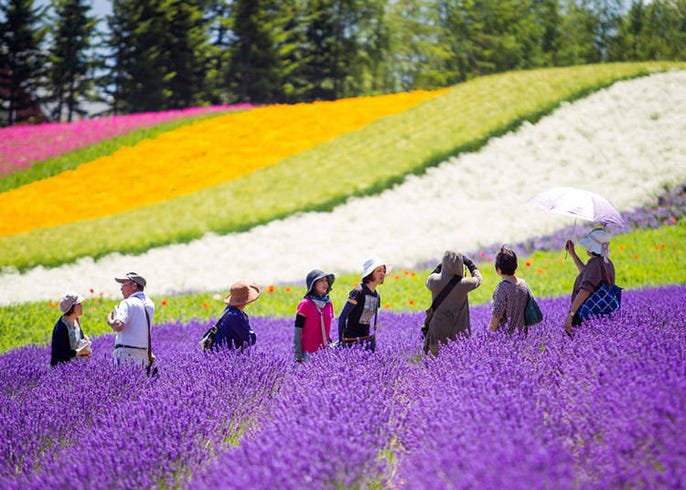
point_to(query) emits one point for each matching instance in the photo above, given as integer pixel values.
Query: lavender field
(604, 410)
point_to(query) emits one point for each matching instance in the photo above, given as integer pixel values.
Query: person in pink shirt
(313, 317)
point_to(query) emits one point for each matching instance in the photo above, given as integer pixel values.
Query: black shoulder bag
(437, 302)
(207, 341)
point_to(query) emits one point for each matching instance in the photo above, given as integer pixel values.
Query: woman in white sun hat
(357, 321)
(599, 269)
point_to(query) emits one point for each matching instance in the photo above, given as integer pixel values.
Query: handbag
(604, 300)
(532, 312)
(436, 303)
(207, 340)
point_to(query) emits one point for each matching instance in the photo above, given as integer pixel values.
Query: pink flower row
(21, 146)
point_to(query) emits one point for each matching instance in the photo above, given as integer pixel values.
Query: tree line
(149, 55)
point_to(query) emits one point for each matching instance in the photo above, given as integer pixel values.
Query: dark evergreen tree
(331, 47)
(158, 60)
(291, 48)
(219, 21)
(185, 54)
(21, 60)
(255, 65)
(70, 69)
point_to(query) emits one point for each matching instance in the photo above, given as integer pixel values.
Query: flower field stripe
(74, 158)
(191, 158)
(483, 194)
(644, 258)
(601, 411)
(460, 120)
(23, 145)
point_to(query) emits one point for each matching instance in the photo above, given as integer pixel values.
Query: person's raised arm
(569, 247)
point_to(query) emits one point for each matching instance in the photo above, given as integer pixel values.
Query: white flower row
(624, 142)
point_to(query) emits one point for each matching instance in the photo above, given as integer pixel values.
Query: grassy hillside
(358, 163)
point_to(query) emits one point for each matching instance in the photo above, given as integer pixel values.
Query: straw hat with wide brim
(242, 293)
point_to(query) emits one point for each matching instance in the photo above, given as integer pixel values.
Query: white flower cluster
(625, 142)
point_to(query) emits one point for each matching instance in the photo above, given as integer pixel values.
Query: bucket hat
(372, 263)
(69, 300)
(242, 293)
(596, 241)
(314, 275)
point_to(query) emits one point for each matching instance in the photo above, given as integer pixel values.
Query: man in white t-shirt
(132, 320)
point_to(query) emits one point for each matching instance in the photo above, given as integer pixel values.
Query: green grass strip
(360, 163)
(644, 258)
(74, 158)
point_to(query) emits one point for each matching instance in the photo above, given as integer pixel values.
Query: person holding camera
(451, 318)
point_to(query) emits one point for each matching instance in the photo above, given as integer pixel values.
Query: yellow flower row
(191, 158)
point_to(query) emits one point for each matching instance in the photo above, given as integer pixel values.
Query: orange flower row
(191, 158)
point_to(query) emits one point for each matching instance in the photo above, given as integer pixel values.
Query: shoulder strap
(226, 312)
(444, 292)
(147, 317)
(325, 340)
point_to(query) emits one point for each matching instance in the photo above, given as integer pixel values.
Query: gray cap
(132, 276)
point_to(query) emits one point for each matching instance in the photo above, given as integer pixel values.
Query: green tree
(254, 72)
(158, 54)
(330, 48)
(662, 35)
(137, 69)
(420, 53)
(578, 27)
(184, 52)
(372, 41)
(219, 21)
(70, 67)
(21, 58)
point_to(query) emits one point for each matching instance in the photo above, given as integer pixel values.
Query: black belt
(357, 339)
(122, 346)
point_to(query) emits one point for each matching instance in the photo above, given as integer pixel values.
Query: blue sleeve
(343, 319)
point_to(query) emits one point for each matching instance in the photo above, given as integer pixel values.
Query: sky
(100, 7)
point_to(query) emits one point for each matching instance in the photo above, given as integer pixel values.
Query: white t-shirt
(131, 313)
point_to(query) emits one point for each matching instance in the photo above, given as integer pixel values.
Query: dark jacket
(234, 330)
(61, 350)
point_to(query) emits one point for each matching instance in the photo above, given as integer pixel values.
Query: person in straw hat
(314, 314)
(357, 321)
(68, 339)
(233, 330)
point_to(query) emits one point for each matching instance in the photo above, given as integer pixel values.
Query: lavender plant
(602, 410)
